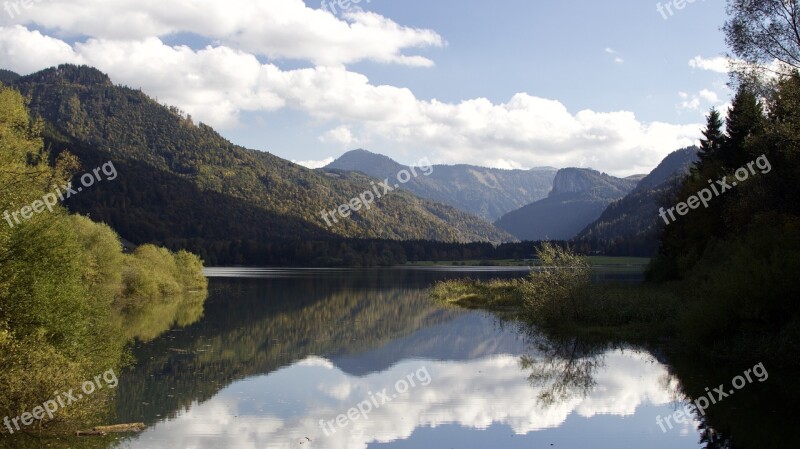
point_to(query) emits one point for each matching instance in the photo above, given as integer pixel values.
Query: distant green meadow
(598, 263)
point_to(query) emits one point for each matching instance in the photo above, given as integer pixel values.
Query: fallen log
(89, 433)
(116, 428)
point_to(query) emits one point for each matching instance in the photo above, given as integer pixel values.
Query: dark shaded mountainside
(180, 181)
(578, 198)
(487, 192)
(631, 226)
(7, 76)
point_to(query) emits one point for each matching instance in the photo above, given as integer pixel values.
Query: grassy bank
(598, 263)
(560, 298)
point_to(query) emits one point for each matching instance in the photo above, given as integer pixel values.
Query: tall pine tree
(713, 139)
(745, 120)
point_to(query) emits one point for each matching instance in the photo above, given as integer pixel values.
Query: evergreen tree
(745, 120)
(713, 139)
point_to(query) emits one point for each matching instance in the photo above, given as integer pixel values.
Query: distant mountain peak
(631, 225)
(577, 180)
(365, 162)
(578, 197)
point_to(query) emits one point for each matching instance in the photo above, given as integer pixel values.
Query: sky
(614, 86)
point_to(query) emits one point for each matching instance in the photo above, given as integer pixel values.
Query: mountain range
(183, 184)
(489, 193)
(181, 180)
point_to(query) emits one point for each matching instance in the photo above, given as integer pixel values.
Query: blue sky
(510, 83)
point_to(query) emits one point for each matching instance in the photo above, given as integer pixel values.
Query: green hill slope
(181, 180)
(631, 226)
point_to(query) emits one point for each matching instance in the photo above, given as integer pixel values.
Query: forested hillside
(180, 180)
(631, 226)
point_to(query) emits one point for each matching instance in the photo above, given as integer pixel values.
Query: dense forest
(348, 252)
(740, 253)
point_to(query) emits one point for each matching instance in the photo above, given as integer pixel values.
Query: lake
(348, 359)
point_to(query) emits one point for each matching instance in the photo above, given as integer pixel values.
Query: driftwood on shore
(116, 428)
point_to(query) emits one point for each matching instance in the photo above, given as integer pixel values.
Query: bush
(552, 292)
(152, 274)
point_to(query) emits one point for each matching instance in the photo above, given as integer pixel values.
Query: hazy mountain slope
(631, 226)
(182, 180)
(579, 196)
(486, 192)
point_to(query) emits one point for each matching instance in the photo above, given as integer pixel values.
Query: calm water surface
(278, 351)
(280, 355)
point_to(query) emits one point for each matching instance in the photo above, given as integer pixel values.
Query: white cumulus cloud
(315, 164)
(719, 64)
(271, 28)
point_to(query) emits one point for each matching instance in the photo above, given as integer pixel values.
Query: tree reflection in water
(562, 368)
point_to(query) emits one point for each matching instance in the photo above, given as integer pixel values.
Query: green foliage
(713, 138)
(552, 293)
(61, 278)
(560, 297)
(152, 273)
(103, 256)
(745, 304)
(470, 293)
(160, 289)
(57, 325)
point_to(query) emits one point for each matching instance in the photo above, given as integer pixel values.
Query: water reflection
(283, 409)
(276, 351)
(279, 351)
(565, 369)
